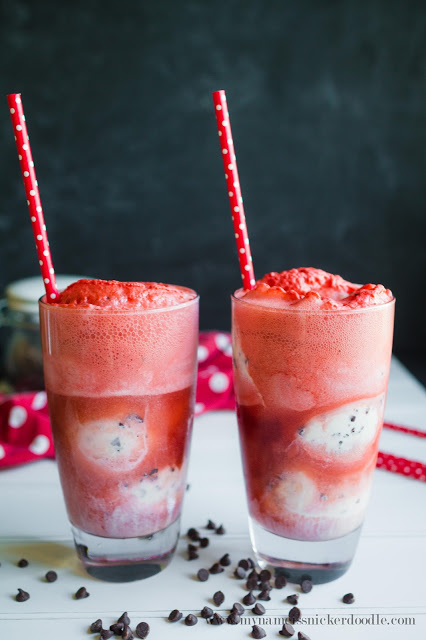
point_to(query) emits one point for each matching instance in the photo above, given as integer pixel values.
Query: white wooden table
(387, 576)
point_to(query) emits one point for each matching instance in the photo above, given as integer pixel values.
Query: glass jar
(22, 368)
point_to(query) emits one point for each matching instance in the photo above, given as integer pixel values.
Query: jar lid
(23, 295)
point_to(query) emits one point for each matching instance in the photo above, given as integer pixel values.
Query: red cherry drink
(311, 366)
(119, 364)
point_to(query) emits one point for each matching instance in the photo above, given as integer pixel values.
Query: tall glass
(120, 387)
(310, 389)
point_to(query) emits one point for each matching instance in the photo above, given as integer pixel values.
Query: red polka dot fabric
(25, 433)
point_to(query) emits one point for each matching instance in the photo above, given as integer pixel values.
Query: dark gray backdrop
(327, 102)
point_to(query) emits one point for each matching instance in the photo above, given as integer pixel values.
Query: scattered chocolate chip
(259, 609)
(23, 563)
(117, 628)
(190, 620)
(175, 615)
(348, 598)
(280, 582)
(266, 586)
(225, 560)
(237, 608)
(192, 547)
(251, 584)
(124, 618)
(22, 596)
(105, 634)
(251, 563)
(218, 598)
(249, 598)
(96, 626)
(244, 564)
(204, 542)
(217, 619)
(265, 575)
(142, 629)
(81, 593)
(264, 595)
(192, 555)
(302, 636)
(193, 534)
(127, 633)
(258, 632)
(253, 574)
(233, 618)
(287, 631)
(206, 613)
(210, 525)
(239, 573)
(294, 615)
(216, 568)
(203, 575)
(293, 599)
(220, 530)
(51, 576)
(306, 586)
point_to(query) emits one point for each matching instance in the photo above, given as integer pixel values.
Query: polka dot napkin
(25, 430)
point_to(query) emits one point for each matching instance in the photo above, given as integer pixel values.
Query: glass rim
(116, 310)
(347, 311)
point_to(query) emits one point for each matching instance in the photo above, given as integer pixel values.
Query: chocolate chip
(251, 563)
(218, 598)
(258, 632)
(204, 542)
(81, 593)
(51, 576)
(220, 530)
(210, 525)
(249, 598)
(216, 568)
(117, 628)
(203, 575)
(225, 560)
(206, 613)
(253, 574)
(294, 615)
(348, 598)
(265, 575)
(124, 618)
(127, 633)
(293, 599)
(192, 555)
(192, 547)
(233, 618)
(105, 634)
(142, 629)
(217, 619)
(259, 609)
(237, 608)
(251, 584)
(22, 596)
(244, 564)
(190, 620)
(23, 563)
(193, 534)
(287, 631)
(96, 626)
(264, 595)
(302, 636)
(306, 586)
(239, 573)
(266, 586)
(175, 615)
(280, 582)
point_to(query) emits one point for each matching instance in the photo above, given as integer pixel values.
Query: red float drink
(311, 364)
(120, 364)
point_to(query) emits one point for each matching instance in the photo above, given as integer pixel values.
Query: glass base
(297, 560)
(126, 559)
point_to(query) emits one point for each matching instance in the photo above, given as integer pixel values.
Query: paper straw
(234, 189)
(33, 196)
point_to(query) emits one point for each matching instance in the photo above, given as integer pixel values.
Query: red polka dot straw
(33, 196)
(234, 189)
